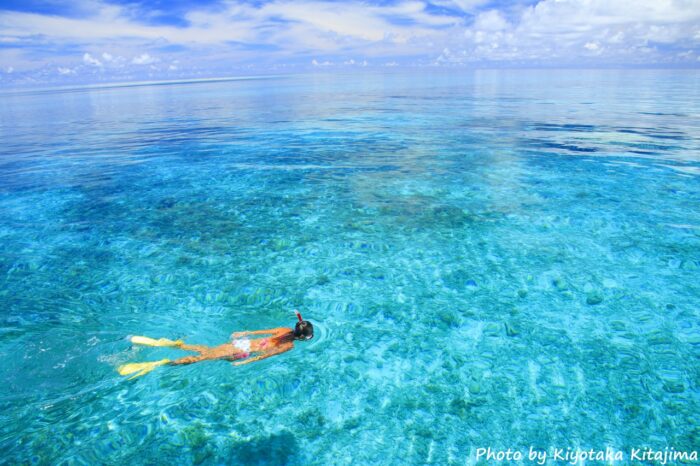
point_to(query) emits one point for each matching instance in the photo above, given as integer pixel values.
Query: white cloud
(561, 31)
(305, 22)
(466, 6)
(65, 71)
(90, 60)
(353, 62)
(617, 37)
(9, 70)
(548, 31)
(356, 21)
(143, 59)
(491, 20)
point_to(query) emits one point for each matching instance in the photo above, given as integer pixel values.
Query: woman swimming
(241, 347)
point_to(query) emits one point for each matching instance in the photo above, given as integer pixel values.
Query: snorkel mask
(303, 330)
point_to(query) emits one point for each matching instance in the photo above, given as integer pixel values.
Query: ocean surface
(505, 259)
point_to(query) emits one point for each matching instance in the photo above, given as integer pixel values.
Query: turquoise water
(496, 258)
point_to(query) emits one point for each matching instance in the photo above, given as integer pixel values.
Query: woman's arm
(273, 331)
(266, 354)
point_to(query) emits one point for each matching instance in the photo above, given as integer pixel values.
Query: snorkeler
(241, 347)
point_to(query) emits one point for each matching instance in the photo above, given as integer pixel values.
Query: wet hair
(303, 330)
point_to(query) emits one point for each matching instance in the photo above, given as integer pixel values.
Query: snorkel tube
(298, 315)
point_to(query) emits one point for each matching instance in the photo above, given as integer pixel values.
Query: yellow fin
(152, 342)
(140, 368)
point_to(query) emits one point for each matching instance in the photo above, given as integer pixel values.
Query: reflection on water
(498, 259)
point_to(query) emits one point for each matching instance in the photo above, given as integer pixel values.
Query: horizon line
(168, 82)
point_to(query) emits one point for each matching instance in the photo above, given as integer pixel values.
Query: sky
(95, 41)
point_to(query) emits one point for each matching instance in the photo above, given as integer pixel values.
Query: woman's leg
(196, 348)
(225, 351)
(141, 368)
(173, 344)
(189, 360)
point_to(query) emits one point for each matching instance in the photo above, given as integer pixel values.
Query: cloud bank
(103, 41)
